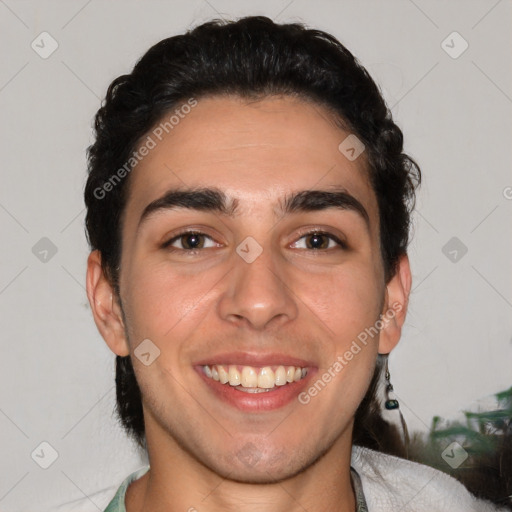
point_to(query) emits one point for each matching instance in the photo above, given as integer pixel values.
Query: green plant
(486, 437)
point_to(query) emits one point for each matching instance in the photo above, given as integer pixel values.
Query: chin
(258, 479)
(262, 475)
(249, 466)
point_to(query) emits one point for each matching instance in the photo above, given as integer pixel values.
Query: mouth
(251, 379)
(257, 387)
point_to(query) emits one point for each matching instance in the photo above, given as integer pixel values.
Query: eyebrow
(212, 199)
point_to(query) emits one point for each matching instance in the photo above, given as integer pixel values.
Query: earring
(390, 409)
(390, 403)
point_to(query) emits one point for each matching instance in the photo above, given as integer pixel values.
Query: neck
(177, 481)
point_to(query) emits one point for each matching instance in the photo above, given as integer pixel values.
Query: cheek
(344, 302)
(162, 303)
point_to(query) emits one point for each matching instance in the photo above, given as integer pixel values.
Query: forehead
(252, 150)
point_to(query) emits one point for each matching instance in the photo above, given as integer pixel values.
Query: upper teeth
(253, 377)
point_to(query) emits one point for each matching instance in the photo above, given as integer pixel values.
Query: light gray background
(57, 374)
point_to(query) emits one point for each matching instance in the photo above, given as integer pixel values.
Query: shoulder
(392, 483)
(102, 499)
(92, 503)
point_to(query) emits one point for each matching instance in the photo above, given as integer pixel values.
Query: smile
(251, 379)
(256, 382)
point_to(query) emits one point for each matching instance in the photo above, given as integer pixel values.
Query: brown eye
(189, 241)
(192, 240)
(318, 240)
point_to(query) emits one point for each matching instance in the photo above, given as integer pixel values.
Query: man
(248, 210)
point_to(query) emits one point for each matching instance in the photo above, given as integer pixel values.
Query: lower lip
(278, 397)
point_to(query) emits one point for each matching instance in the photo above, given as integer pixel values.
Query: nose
(257, 294)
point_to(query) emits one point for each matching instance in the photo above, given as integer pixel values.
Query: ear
(395, 306)
(105, 307)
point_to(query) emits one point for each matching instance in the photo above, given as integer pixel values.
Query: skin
(307, 303)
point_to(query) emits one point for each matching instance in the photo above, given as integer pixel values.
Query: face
(264, 278)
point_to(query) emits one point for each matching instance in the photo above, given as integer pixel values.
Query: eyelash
(334, 238)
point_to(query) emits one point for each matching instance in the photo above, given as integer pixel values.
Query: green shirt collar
(118, 504)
